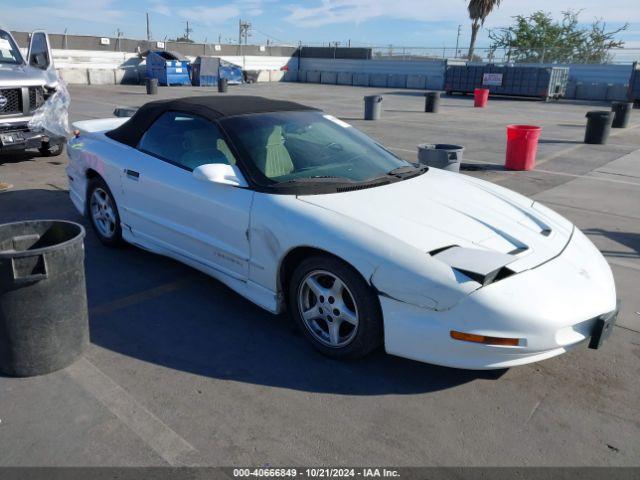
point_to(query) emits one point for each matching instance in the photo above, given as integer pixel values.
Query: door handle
(132, 173)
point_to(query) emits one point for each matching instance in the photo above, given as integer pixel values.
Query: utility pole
(244, 32)
(187, 31)
(118, 35)
(458, 41)
(244, 28)
(148, 29)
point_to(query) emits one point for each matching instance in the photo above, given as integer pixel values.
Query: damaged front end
(448, 275)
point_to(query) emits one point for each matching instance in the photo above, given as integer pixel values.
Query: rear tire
(335, 308)
(103, 213)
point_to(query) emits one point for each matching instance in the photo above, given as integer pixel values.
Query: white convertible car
(297, 210)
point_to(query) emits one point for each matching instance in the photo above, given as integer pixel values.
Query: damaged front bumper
(17, 138)
(552, 309)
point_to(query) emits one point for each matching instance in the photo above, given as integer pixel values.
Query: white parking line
(174, 449)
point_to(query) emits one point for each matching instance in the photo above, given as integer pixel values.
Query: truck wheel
(51, 149)
(103, 213)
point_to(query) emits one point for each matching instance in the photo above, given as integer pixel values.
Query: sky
(410, 23)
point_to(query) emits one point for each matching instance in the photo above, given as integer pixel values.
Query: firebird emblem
(3, 102)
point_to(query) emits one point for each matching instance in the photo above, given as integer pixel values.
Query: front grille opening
(36, 97)
(12, 103)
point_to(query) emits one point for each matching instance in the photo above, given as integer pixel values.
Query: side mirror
(220, 173)
(40, 60)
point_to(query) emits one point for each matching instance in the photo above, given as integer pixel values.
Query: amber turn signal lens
(470, 337)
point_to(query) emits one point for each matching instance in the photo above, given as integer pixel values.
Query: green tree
(479, 10)
(538, 38)
(183, 40)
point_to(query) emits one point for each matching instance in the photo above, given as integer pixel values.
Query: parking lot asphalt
(182, 371)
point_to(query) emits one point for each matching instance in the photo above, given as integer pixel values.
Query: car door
(168, 209)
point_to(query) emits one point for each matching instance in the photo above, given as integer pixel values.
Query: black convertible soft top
(211, 107)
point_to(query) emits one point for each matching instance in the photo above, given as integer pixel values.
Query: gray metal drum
(598, 127)
(43, 302)
(621, 114)
(372, 107)
(441, 155)
(432, 102)
(152, 86)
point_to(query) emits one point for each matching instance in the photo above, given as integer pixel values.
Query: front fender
(425, 283)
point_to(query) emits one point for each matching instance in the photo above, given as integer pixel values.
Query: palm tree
(479, 10)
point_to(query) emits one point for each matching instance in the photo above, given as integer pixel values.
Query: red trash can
(522, 145)
(480, 97)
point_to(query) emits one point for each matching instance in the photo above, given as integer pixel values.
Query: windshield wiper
(318, 179)
(406, 169)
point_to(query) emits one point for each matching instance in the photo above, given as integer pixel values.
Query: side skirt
(257, 294)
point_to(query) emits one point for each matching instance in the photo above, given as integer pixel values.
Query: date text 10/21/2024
(316, 472)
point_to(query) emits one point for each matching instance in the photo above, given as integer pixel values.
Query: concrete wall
(127, 45)
(92, 67)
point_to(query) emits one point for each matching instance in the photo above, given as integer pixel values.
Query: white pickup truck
(24, 86)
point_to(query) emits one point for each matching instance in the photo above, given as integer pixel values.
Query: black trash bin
(372, 107)
(43, 301)
(152, 86)
(441, 155)
(621, 114)
(222, 85)
(598, 127)
(432, 102)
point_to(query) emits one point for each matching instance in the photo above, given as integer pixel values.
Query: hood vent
(482, 266)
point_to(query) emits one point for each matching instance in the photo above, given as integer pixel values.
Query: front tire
(103, 213)
(51, 149)
(335, 308)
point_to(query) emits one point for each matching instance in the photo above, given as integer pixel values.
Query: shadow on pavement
(8, 157)
(154, 309)
(484, 167)
(628, 239)
(556, 141)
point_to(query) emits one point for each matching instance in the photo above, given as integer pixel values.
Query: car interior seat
(200, 147)
(271, 154)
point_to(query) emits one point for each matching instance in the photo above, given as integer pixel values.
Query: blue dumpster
(170, 68)
(231, 72)
(204, 72)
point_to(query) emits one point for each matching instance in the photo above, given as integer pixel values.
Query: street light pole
(457, 41)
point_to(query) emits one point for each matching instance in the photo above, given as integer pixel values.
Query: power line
(271, 36)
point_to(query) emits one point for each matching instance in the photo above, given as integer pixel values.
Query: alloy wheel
(102, 212)
(328, 308)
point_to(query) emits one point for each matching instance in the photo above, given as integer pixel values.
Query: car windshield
(310, 147)
(9, 52)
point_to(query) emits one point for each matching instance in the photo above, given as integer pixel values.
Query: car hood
(441, 209)
(20, 76)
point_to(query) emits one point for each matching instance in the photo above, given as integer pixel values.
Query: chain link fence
(534, 54)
